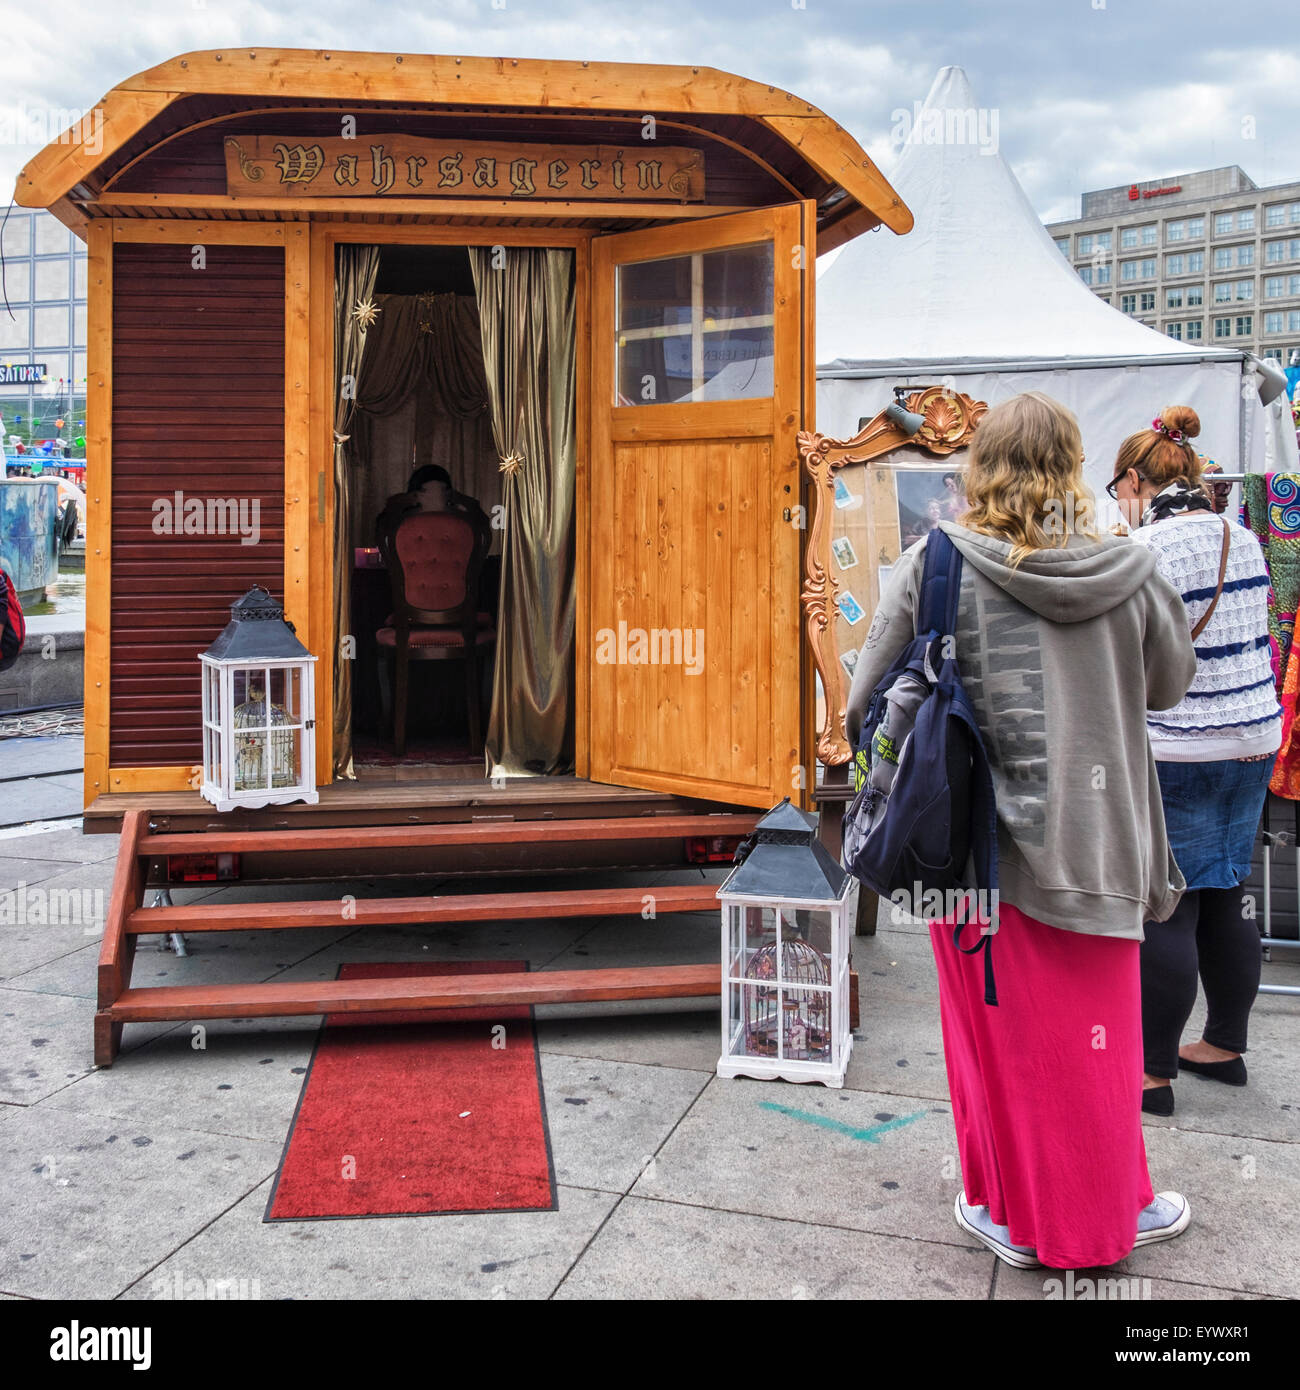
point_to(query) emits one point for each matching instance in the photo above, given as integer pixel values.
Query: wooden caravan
(579, 295)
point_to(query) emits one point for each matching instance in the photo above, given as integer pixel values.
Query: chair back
(434, 555)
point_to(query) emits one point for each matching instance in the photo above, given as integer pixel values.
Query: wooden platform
(395, 803)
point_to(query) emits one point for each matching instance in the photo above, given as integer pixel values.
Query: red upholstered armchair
(433, 555)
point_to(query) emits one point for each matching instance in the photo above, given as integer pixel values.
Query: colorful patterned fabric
(1270, 506)
(1286, 771)
(1271, 509)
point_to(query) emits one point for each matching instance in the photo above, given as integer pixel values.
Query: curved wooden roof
(807, 152)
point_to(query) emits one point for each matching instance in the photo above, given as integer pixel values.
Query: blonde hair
(1024, 476)
(1158, 458)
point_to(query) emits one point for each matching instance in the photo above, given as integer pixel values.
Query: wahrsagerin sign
(408, 166)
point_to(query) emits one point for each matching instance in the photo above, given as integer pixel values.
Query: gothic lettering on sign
(410, 166)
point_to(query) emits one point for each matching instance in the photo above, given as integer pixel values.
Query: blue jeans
(1212, 812)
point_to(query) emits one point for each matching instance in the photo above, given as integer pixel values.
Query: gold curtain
(527, 314)
(355, 270)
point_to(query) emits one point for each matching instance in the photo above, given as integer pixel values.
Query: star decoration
(511, 463)
(365, 312)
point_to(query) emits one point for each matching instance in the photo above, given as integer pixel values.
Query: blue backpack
(924, 812)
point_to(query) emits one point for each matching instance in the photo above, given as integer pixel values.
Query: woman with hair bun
(1214, 756)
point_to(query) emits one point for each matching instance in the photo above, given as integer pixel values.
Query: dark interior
(437, 722)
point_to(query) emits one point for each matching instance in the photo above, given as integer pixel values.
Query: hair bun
(1183, 418)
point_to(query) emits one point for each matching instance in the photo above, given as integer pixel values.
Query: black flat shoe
(1158, 1100)
(1231, 1073)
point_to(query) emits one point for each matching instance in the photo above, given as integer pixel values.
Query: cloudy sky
(1088, 93)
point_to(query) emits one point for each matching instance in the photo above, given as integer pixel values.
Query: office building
(1206, 258)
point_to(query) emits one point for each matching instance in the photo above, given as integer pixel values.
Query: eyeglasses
(1112, 487)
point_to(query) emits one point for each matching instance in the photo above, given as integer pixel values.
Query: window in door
(696, 327)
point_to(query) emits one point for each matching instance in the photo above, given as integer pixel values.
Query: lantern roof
(257, 631)
(786, 859)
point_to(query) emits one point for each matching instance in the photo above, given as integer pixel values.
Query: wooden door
(700, 339)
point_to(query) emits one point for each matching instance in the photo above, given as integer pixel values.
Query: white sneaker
(977, 1222)
(1167, 1216)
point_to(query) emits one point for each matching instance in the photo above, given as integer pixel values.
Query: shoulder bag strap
(1223, 569)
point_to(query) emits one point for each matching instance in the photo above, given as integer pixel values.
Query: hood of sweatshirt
(1080, 580)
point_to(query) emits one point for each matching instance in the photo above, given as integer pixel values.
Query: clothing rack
(1268, 942)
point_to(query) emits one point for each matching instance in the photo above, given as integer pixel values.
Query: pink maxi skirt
(1047, 1086)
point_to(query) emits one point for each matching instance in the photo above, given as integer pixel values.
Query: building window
(1103, 241)
(1272, 323)
(1274, 353)
(1149, 235)
(1146, 270)
(1194, 331)
(1175, 331)
(1222, 223)
(1128, 304)
(1245, 289)
(1275, 216)
(1274, 287)
(1293, 321)
(1175, 231)
(1275, 251)
(1245, 255)
(1222, 292)
(1148, 303)
(1223, 258)
(1128, 270)
(1245, 325)
(1195, 262)
(1195, 296)
(1085, 246)
(1223, 328)
(1293, 284)
(1128, 238)
(1103, 274)
(1085, 274)
(1063, 246)
(1246, 220)
(1195, 228)
(1173, 299)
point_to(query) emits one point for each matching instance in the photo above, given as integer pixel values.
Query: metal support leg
(168, 941)
(1269, 943)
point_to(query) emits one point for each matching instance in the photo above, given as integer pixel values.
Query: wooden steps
(474, 832)
(284, 999)
(462, 827)
(451, 907)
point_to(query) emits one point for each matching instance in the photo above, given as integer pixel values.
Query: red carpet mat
(422, 1118)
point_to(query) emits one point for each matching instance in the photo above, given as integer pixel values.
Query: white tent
(977, 297)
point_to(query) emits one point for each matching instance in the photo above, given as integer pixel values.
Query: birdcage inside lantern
(787, 920)
(259, 705)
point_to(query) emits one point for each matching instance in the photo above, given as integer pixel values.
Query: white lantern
(787, 919)
(259, 710)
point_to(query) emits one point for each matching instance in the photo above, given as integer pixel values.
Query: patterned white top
(1231, 709)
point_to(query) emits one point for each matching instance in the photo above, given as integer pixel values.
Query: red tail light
(202, 868)
(713, 849)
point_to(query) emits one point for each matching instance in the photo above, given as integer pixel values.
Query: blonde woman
(1065, 639)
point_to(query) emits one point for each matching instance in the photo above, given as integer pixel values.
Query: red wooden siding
(198, 406)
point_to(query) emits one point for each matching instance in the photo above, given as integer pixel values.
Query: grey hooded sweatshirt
(1061, 658)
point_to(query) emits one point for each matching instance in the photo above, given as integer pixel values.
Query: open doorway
(457, 525)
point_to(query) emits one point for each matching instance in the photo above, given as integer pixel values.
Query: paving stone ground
(672, 1183)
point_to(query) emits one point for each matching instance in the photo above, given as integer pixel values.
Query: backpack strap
(940, 584)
